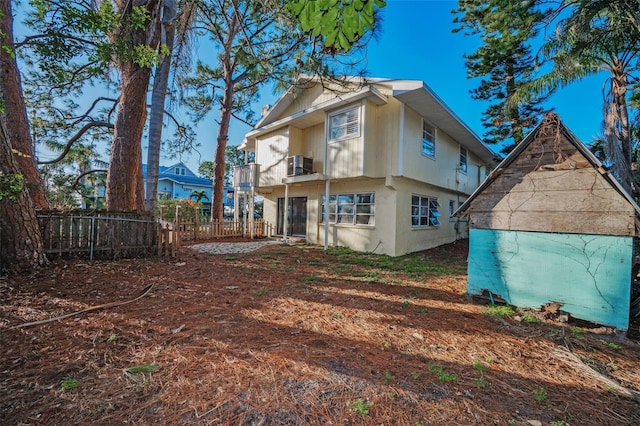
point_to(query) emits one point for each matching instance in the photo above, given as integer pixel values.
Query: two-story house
(178, 181)
(378, 168)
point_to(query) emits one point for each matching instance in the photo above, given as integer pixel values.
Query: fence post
(196, 223)
(93, 227)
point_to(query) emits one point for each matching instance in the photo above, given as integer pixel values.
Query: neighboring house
(178, 181)
(551, 225)
(388, 160)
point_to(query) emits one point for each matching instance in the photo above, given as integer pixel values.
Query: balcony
(245, 177)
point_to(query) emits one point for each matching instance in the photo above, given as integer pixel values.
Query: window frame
(351, 205)
(428, 129)
(345, 125)
(425, 214)
(463, 162)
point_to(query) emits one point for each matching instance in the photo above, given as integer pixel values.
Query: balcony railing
(245, 177)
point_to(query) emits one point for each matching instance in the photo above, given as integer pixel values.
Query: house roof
(414, 93)
(186, 180)
(573, 139)
(189, 179)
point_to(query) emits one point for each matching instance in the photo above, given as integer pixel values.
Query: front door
(296, 217)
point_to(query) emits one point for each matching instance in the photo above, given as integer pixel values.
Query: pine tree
(504, 62)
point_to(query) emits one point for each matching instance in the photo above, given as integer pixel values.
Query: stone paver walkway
(232, 248)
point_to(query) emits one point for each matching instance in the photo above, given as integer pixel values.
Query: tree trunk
(15, 111)
(160, 84)
(217, 205)
(125, 190)
(126, 149)
(21, 247)
(226, 109)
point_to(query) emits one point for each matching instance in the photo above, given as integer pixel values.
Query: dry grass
(291, 335)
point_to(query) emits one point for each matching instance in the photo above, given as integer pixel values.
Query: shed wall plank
(589, 274)
(571, 222)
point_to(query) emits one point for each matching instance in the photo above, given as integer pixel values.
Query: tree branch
(77, 181)
(75, 138)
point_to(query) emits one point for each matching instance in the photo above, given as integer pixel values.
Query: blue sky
(416, 42)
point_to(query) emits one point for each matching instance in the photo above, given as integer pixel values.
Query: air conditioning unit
(299, 165)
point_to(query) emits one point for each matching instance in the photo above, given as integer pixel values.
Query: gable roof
(188, 179)
(414, 93)
(522, 146)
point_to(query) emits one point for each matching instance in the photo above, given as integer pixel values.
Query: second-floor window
(424, 211)
(181, 171)
(344, 124)
(462, 166)
(428, 139)
(351, 209)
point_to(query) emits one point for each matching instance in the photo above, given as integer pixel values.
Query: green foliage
(187, 209)
(504, 61)
(481, 382)
(479, 365)
(11, 185)
(500, 311)
(411, 265)
(530, 319)
(361, 406)
(339, 23)
(140, 373)
(388, 376)
(199, 195)
(68, 383)
(540, 394)
(261, 292)
(612, 345)
(442, 375)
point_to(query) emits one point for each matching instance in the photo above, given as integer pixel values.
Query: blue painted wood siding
(589, 274)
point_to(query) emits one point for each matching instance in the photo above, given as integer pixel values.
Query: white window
(350, 209)
(463, 160)
(344, 124)
(428, 139)
(424, 211)
(181, 171)
(452, 208)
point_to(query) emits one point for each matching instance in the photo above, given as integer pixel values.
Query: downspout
(252, 213)
(401, 142)
(326, 215)
(325, 169)
(285, 219)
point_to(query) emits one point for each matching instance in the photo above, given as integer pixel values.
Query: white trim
(435, 138)
(401, 142)
(347, 136)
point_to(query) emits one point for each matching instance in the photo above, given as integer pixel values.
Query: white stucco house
(379, 167)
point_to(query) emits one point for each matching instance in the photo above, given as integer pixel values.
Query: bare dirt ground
(289, 335)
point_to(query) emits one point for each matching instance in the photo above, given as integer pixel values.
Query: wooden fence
(104, 235)
(97, 234)
(226, 229)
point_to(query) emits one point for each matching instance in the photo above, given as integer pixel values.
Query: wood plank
(568, 180)
(579, 222)
(606, 201)
(587, 274)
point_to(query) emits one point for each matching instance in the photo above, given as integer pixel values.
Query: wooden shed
(550, 224)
